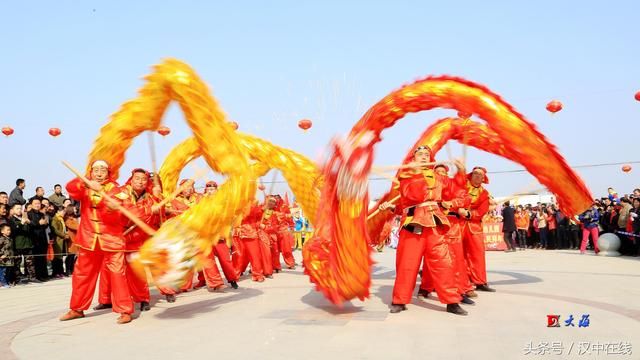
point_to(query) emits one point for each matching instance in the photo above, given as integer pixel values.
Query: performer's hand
(94, 185)
(460, 165)
(112, 204)
(262, 226)
(463, 212)
(446, 204)
(155, 208)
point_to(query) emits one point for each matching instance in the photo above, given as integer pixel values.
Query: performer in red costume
(247, 234)
(285, 239)
(99, 240)
(268, 238)
(210, 275)
(141, 199)
(459, 203)
(423, 193)
(221, 249)
(472, 236)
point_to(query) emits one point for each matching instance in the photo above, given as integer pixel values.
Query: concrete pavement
(284, 318)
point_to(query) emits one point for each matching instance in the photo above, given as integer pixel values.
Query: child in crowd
(6, 254)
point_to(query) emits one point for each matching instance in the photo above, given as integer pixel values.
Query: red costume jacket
(181, 204)
(478, 207)
(98, 223)
(141, 207)
(421, 195)
(248, 228)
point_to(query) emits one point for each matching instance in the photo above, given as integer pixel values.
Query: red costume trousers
(221, 250)
(454, 240)
(411, 248)
(264, 240)
(138, 287)
(253, 255)
(238, 256)
(85, 276)
(473, 245)
(275, 252)
(210, 275)
(285, 245)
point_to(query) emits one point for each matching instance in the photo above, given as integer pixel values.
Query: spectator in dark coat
(38, 233)
(509, 226)
(16, 194)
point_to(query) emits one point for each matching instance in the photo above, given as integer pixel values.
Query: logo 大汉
(553, 320)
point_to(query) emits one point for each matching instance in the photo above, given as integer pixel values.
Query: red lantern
(554, 106)
(55, 132)
(234, 125)
(638, 96)
(7, 130)
(305, 124)
(626, 168)
(464, 114)
(261, 187)
(164, 131)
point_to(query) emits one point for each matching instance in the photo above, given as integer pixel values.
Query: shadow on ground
(188, 311)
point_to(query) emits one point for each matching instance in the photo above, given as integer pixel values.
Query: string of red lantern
(55, 132)
(164, 131)
(305, 124)
(554, 106)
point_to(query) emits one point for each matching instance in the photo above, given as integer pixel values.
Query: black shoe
(396, 308)
(144, 306)
(485, 287)
(103, 306)
(34, 280)
(170, 298)
(423, 294)
(456, 309)
(467, 301)
(269, 276)
(233, 284)
(277, 271)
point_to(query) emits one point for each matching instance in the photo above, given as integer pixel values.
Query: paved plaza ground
(285, 319)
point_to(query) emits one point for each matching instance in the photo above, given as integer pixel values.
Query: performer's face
(99, 174)
(210, 190)
(441, 171)
(477, 176)
(271, 203)
(187, 192)
(422, 156)
(139, 182)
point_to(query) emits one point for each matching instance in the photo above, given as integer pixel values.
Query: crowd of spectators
(36, 235)
(544, 226)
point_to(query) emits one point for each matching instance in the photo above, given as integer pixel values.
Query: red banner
(493, 236)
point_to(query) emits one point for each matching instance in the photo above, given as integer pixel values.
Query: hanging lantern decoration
(554, 106)
(55, 132)
(234, 125)
(638, 96)
(464, 115)
(164, 131)
(261, 187)
(305, 124)
(7, 130)
(626, 168)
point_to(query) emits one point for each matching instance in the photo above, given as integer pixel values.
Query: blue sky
(71, 64)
